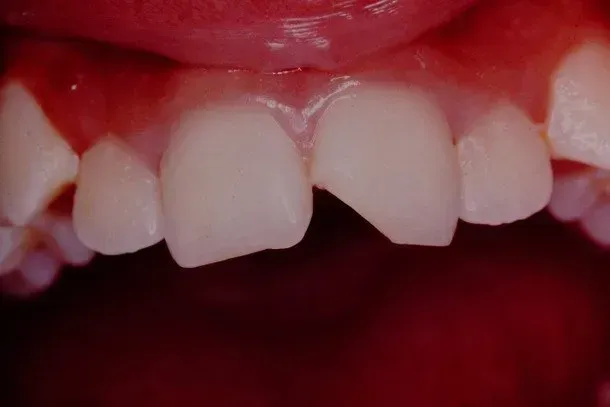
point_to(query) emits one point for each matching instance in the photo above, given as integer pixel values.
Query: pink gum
(503, 51)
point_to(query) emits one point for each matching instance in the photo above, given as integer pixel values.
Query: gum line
(136, 96)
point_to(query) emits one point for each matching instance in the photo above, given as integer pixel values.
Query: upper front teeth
(36, 163)
(117, 206)
(506, 168)
(232, 180)
(233, 183)
(579, 123)
(388, 153)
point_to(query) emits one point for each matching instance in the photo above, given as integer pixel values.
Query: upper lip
(270, 35)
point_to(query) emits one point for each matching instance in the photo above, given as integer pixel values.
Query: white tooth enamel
(233, 184)
(59, 235)
(579, 123)
(596, 223)
(573, 195)
(117, 205)
(39, 269)
(506, 168)
(35, 161)
(388, 153)
(13, 246)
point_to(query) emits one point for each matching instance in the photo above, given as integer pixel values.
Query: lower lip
(266, 35)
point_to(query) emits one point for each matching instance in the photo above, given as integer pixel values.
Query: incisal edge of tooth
(57, 231)
(38, 270)
(13, 246)
(573, 195)
(117, 204)
(233, 183)
(389, 154)
(596, 223)
(505, 166)
(36, 163)
(579, 123)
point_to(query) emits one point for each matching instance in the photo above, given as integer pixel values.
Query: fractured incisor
(388, 153)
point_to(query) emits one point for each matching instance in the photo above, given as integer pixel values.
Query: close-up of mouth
(305, 203)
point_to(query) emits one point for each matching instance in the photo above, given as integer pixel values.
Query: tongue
(268, 35)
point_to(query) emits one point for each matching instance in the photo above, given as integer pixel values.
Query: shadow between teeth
(232, 182)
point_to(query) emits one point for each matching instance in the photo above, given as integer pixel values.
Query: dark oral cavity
(265, 34)
(331, 323)
(513, 316)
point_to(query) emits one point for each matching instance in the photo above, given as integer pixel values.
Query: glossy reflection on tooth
(506, 168)
(388, 153)
(117, 205)
(233, 183)
(579, 123)
(35, 161)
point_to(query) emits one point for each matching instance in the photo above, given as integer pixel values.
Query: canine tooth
(233, 184)
(506, 168)
(388, 153)
(573, 195)
(35, 161)
(579, 123)
(117, 205)
(596, 223)
(13, 246)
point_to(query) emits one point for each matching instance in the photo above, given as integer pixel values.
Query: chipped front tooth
(579, 123)
(596, 223)
(388, 153)
(117, 204)
(573, 195)
(505, 166)
(14, 243)
(233, 184)
(36, 163)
